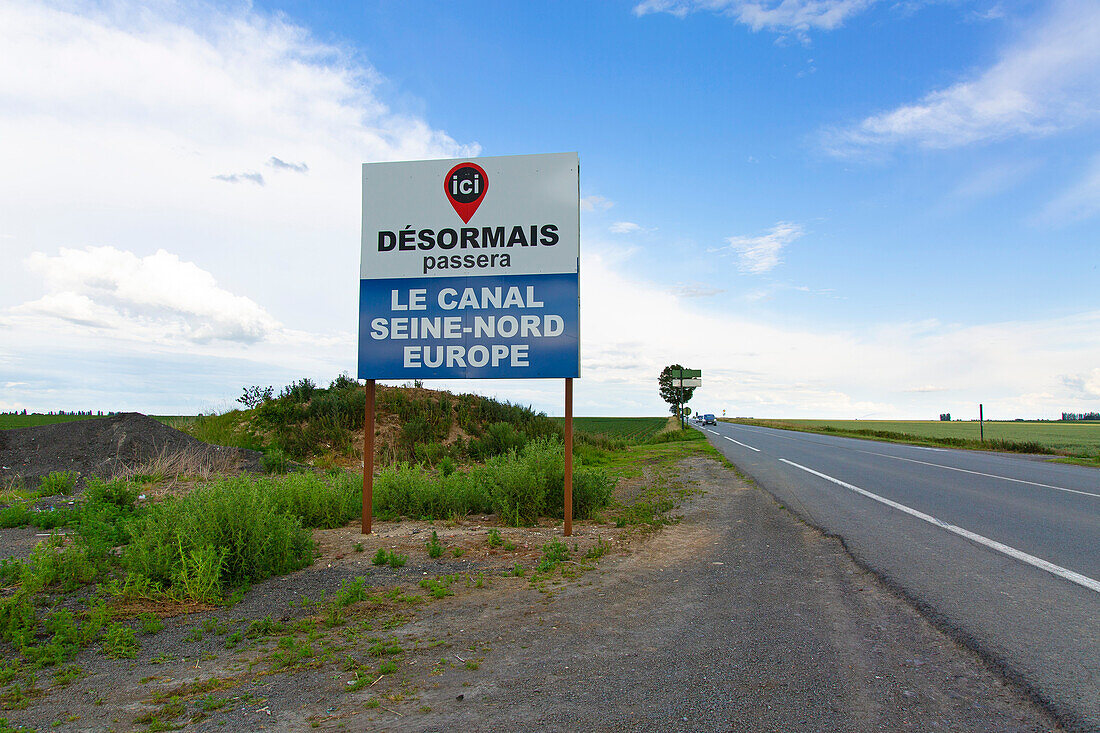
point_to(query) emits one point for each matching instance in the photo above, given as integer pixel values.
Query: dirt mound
(112, 446)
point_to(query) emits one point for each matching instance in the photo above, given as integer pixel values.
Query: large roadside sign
(470, 268)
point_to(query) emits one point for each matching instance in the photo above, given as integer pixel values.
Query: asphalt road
(1002, 551)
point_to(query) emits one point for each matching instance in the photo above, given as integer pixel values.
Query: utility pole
(981, 423)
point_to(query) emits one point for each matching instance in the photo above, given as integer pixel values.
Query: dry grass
(204, 464)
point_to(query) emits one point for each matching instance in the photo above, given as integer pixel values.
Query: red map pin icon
(465, 186)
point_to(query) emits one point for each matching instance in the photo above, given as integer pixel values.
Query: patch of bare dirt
(111, 446)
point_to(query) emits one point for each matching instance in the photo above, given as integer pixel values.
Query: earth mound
(118, 445)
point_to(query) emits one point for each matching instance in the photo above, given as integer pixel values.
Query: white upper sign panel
(509, 215)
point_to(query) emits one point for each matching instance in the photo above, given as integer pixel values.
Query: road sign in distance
(686, 373)
(689, 382)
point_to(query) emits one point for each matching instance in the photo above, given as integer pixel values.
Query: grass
(8, 422)
(637, 429)
(1079, 440)
(519, 487)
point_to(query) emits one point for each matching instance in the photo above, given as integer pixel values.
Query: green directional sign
(686, 373)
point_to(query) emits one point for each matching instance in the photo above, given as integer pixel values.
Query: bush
(411, 491)
(300, 391)
(275, 460)
(520, 487)
(119, 492)
(258, 527)
(14, 516)
(498, 439)
(516, 494)
(58, 482)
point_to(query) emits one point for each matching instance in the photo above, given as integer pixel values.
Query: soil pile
(111, 446)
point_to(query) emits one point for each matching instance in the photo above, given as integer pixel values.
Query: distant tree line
(945, 417)
(87, 413)
(1076, 416)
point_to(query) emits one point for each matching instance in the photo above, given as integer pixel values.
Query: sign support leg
(568, 456)
(368, 457)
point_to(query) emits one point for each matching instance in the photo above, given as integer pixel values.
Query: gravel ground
(739, 618)
(105, 447)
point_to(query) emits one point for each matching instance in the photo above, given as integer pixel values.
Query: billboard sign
(470, 269)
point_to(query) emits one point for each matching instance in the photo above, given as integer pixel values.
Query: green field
(29, 421)
(628, 428)
(1079, 439)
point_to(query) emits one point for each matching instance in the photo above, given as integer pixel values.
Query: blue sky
(835, 208)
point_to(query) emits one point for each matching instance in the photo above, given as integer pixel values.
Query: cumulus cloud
(256, 178)
(783, 16)
(282, 165)
(159, 296)
(1046, 82)
(624, 227)
(128, 123)
(757, 255)
(595, 203)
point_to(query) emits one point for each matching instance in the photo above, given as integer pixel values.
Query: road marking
(987, 475)
(1081, 580)
(740, 443)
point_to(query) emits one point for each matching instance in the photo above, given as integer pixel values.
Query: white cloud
(695, 290)
(127, 121)
(783, 16)
(595, 203)
(1080, 201)
(752, 367)
(1046, 82)
(159, 297)
(624, 227)
(757, 255)
(282, 165)
(251, 177)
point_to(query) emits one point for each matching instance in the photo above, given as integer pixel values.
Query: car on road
(709, 419)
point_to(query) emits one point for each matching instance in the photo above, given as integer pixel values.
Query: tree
(670, 392)
(255, 396)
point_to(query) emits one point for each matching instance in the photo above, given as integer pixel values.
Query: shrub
(14, 516)
(255, 524)
(275, 460)
(299, 391)
(198, 575)
(119, 641)
(435, 547)
(119, 492)
(554, 553)
(498, 439)
(513, 489)
(58, 482)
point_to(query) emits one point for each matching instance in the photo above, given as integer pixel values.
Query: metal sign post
(368, 457)
(568, 456)
(470, 270)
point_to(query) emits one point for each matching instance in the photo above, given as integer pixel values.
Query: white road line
(987, 475)
(740, 443)
(1081, 580)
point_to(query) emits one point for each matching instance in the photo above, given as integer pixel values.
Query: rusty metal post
(368, 457)
(568, 456)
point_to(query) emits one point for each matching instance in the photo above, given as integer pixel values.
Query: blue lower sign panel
(481, 327)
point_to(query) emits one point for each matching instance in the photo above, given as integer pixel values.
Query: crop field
(8, 422)
(629, 428)
(1069, 438)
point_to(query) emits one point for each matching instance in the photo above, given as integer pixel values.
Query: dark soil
(106, 447)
